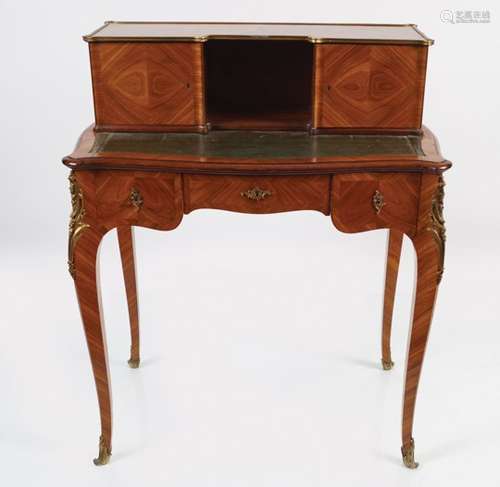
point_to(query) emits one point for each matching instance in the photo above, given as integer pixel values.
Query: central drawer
(257, 194)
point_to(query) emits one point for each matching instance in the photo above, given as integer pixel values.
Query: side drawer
(257, 194)
(152, 200)
(363, 202)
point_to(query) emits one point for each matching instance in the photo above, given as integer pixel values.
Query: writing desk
(164, 144)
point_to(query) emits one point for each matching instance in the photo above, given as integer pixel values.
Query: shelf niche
(258, 84)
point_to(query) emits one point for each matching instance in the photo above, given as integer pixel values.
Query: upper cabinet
(195, 77)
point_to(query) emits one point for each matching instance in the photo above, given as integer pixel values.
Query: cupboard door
(369, 86)
(147, 86)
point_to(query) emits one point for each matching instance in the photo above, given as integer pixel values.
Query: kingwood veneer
(324, 77)
(138, 167)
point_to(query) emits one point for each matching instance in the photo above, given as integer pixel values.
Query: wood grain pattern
(127, 253)
(369, 86)
(161, 194)
(88, 293)
(105, 204)
(352, 202)
(429, 261)
(428, 241)
(160, 86)
(394, 243)
(287, 193)
(417, 201)
(144, 86)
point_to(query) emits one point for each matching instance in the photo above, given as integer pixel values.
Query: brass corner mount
(437, 224)
(76, 223)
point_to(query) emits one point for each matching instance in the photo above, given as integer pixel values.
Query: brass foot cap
(134, 363)
(104, 453)
(409, 455)
(387, 364)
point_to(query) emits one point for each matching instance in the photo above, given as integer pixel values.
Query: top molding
(113, 31)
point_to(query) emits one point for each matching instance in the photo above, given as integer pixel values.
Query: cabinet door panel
(369, 86)
(147, 86)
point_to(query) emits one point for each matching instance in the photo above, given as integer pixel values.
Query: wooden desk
(382, 170)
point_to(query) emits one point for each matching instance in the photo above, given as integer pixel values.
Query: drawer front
(147, 85)
(249, 194)
(363, 202)
(152, 200)
(369, 86)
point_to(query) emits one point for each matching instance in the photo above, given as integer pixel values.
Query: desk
(376, 174)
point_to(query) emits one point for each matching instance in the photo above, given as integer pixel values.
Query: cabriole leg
(83, 246)
(429, 244)
(394, 243)
(87, 289)
(126, 242)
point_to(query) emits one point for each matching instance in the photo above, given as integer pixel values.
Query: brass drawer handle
(378, 201)
(136, 198)
(256, 194)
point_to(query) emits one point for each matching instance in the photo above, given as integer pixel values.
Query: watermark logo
(465, 16)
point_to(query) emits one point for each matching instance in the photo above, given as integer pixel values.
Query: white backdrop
(260, 335)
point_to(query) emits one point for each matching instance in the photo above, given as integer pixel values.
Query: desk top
(256, 144)
(200, 32)
(253, 152)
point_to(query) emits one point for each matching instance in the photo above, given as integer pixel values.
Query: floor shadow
(395, 460)
(454, 446)
(122, 454)
(367, 364)
(148, 362)
(439, 452)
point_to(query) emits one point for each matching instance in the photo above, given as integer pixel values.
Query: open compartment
(258, 84)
